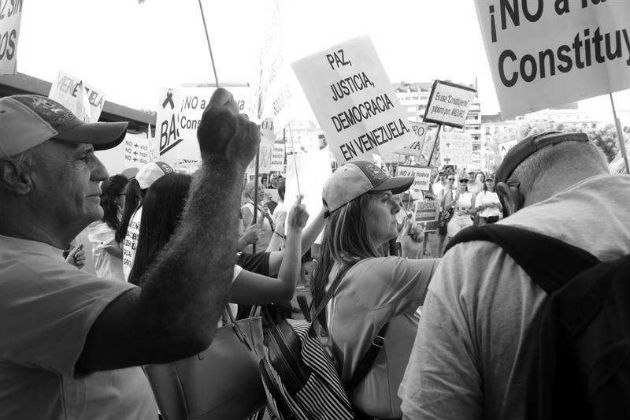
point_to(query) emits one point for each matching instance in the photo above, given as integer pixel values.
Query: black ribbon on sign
(169, 99)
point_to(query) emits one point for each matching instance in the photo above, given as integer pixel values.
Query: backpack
(582, 332)
(298, 374)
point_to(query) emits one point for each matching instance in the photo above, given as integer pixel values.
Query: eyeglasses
(463, 181)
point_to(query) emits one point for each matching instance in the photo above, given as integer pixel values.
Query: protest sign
(505, 147)
(456, 149)
(313, 169)
(416, 147)
(83, 100)
(544, 53)
(274, 81)
(354, 101)
(137, 151)
(277, 158)
(10, 18)
(179, 113)
(449, 104)
(422, 179)
(426, 214)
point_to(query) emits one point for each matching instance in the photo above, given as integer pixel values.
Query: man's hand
(224, 133)
(251, 235)
(298, 216)
(76, 257)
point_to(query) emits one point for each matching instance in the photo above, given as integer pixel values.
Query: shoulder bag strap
(368, 359)
(331, 292)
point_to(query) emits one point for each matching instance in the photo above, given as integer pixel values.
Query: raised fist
(225, 133)
(298, 216)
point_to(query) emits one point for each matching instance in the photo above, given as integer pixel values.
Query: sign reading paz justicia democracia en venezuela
(544, 53)
(354, 102)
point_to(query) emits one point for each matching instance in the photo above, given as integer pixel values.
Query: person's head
(135, 191)
(471, 175)
(462, 185)
(450, 180)
(480, 178)
(248, 192)
(361, 208)
(112, 200)
(489, 185)
(542, 165)
(162, 209)
(49, 175)
(442, 176)
(281, 190)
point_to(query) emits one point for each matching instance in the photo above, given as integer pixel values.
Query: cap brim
(397, 185)
(103, 135)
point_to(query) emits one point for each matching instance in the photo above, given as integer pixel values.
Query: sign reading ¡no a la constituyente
(548, 53)
(449, 104)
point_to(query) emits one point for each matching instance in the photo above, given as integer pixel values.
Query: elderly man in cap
(473, 353)
(71, 343)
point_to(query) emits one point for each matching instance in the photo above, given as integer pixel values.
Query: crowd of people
(171, 250)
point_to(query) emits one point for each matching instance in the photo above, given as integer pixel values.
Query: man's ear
(15, 177)
(511, 198)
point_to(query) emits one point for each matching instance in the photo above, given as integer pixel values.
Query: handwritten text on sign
(10, 17)
(547, 53)
(354, 101)
(422, 179)
(449, 104)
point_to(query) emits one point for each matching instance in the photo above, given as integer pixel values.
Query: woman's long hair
(111, 189)
(346, 241)
(133, 201)
(162, 209)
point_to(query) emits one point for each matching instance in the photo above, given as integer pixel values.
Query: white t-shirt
(106, 265)
(47, 308)
(131, 242)
(487, 197)
(473, 353)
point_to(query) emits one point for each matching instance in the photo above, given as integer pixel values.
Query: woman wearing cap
(369, 289)
(487, 204)
(462, 202)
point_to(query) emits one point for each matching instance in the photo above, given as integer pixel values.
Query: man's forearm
(190, 281)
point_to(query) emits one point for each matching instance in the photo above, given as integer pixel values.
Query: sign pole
(205, 27)
(297, 175)
(256, 194)
(622, 144)
(437, 138)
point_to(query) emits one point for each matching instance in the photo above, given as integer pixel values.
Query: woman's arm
(250, 288)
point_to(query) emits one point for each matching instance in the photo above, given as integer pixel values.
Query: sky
(130, 50)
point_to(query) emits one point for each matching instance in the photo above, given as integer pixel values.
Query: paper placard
(354, 101)
(548, 53)
(85, 101)
(426, 214)
(422, 179)
(449, 104)
(10, 18)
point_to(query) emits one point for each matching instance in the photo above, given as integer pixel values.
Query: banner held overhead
(449, 104)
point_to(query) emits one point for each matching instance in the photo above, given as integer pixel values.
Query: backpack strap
(330, 293)
(549, 262)
(368, 359)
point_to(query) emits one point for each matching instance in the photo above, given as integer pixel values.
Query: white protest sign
(313, 169)
(277, 158)
(449, 104)
(548, 53)
(10, 18)
(179, 113)
(456, 149)
(137, 150)
(505, 147)
(354, 101)
(416, 147)
(422, 179)
(426, 214)
(83, 100)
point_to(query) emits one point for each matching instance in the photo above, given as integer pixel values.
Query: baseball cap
(27, 121)
(354, 179)
(530, 145)
(151, 172)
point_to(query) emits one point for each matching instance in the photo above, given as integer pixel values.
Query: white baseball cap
(151, 172)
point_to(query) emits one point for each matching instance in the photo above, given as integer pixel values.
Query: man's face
(66, 181)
